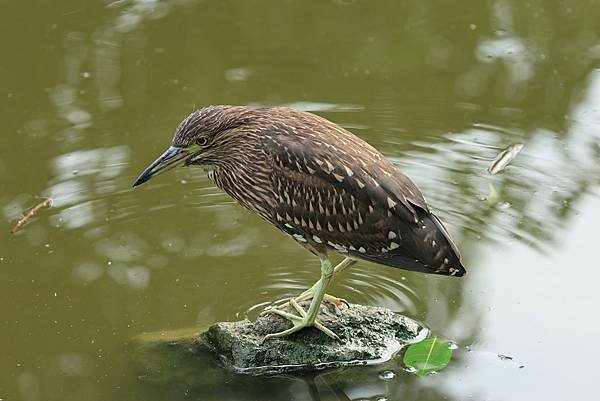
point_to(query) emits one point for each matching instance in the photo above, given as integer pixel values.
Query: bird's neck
(247, 183)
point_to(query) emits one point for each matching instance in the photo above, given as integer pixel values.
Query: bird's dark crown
(208, 122)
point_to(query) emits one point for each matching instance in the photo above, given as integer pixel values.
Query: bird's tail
(445, 258)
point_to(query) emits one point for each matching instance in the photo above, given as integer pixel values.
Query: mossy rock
(368, 335)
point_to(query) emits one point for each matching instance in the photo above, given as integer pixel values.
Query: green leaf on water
(428, 356)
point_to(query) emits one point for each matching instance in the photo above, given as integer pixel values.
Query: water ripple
(358, 285)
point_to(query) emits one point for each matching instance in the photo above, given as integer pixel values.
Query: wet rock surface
(368, 335)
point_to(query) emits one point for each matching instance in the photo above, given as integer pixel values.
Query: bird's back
(332, 190)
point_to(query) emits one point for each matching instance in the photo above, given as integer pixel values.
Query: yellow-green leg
(308, 319)
(308, 294)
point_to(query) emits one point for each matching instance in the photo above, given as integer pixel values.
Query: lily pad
(428, 356)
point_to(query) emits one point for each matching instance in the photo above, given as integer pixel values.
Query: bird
(325, 187)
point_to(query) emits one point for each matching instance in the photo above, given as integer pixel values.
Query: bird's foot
(298, 322)
(305, 296)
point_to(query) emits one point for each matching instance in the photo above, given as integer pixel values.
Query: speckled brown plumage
(324, 186)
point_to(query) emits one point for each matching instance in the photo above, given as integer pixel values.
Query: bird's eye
(202, 141)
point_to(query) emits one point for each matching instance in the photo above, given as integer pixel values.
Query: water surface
(90, 92)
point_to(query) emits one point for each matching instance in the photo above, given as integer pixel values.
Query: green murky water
(90, 92)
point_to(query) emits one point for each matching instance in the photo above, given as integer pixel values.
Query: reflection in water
(315, 107)
(512, 52)
(356, 383)
(529, 206)
(81, 175)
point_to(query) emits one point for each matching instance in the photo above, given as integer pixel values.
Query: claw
(318, 325)
(305, 296)
(335, 300)
(298, 322)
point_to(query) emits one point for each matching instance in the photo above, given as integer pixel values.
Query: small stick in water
(504, 158)
(30, 213)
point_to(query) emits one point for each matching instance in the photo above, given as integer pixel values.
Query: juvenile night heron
(320, 184)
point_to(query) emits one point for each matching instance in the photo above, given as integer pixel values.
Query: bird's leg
(308, 319)
(308, 294)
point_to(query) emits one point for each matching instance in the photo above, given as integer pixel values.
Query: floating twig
(504, 158)
(30, 213)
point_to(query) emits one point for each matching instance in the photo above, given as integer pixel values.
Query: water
(91, 92)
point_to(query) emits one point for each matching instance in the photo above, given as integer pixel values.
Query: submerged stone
(368, 335)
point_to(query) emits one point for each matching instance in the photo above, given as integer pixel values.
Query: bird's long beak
(172, 157)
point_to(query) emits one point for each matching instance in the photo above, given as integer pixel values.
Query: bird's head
(205, 137)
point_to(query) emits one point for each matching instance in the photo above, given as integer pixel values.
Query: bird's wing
(337, 190)
(343, 160)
